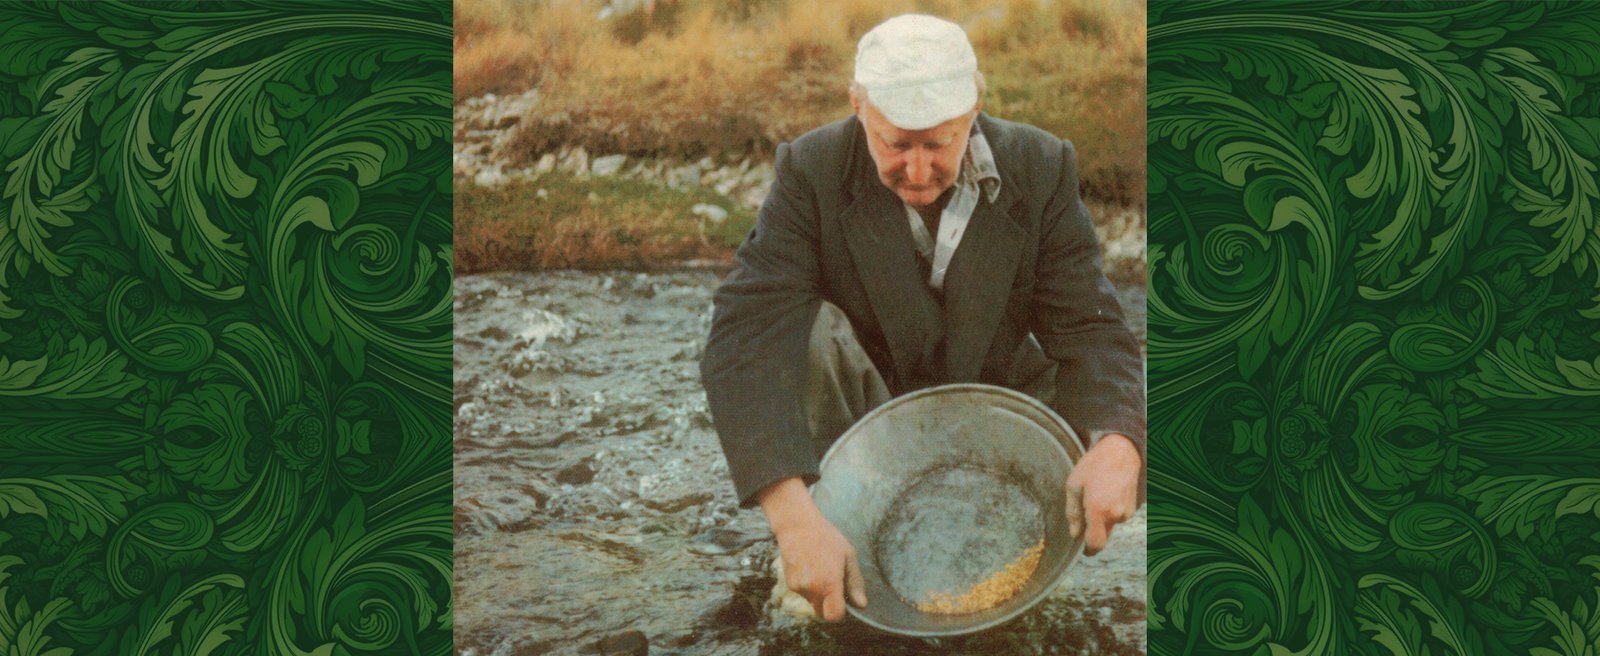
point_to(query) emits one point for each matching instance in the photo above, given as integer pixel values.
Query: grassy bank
(735, 77)
(564, 222)
(558, 221)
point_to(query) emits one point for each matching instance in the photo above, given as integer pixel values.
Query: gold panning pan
(953, 497)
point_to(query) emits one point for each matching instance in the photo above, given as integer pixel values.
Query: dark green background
(1375, 404)
(224, 328)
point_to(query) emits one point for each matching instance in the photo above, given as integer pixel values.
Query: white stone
(753, 198)
(710, 212)
(608, 165)
(576, 162)
(490, 177)
(546, 164)
(684, 176)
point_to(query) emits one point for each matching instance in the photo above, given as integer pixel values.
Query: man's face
(918, 165)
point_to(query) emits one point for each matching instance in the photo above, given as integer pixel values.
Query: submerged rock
(578, 474)
(627, 643)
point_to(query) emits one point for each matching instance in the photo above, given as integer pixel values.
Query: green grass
(589, 223)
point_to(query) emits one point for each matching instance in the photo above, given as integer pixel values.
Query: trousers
(842, 384)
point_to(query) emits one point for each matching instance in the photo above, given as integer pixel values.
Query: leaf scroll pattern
(225, 328)
(1374, 362)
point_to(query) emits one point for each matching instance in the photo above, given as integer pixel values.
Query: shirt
(978, 173)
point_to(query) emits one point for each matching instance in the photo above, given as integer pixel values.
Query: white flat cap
(918, 70)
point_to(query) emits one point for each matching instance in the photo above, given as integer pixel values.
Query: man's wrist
(1120, 442)
(787, 503)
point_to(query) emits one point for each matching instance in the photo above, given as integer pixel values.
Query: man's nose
(919, 167)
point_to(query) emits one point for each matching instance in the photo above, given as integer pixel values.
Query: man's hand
(1103, 490)
(818, 562)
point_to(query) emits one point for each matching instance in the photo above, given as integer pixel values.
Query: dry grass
(740, 76)
(1078, 70)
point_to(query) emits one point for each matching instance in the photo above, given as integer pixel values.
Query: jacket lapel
(978, 283)
(879, 238)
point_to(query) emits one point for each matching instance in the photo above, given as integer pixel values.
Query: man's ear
(855, 105)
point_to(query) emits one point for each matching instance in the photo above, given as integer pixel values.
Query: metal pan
(940, 489)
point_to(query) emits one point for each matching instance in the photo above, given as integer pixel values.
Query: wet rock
(540, 325)
(678, 504)
(578, 474)
(689, 352)
(558, 440)
(463, 388)
(744, 607)
(627, 643)
(1127, 611)
(536, 361)
(530, 648)
(513, 510)
(535, 492)
(642, 289)
(721, 541)
(522, 525)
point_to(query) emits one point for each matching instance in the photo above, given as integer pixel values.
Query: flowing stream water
(593, 511)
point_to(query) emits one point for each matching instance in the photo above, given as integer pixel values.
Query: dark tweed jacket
(830, 230)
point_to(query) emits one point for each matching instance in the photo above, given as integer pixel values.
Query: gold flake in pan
(1002, 585)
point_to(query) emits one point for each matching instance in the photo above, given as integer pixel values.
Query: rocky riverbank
(486, 156)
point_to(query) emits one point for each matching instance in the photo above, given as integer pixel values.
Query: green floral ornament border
(225, 328)
(1374, 347)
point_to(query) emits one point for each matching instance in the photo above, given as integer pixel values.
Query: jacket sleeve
(1100, 376)
(755, 358)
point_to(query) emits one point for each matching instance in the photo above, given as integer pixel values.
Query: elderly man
(918, 242)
